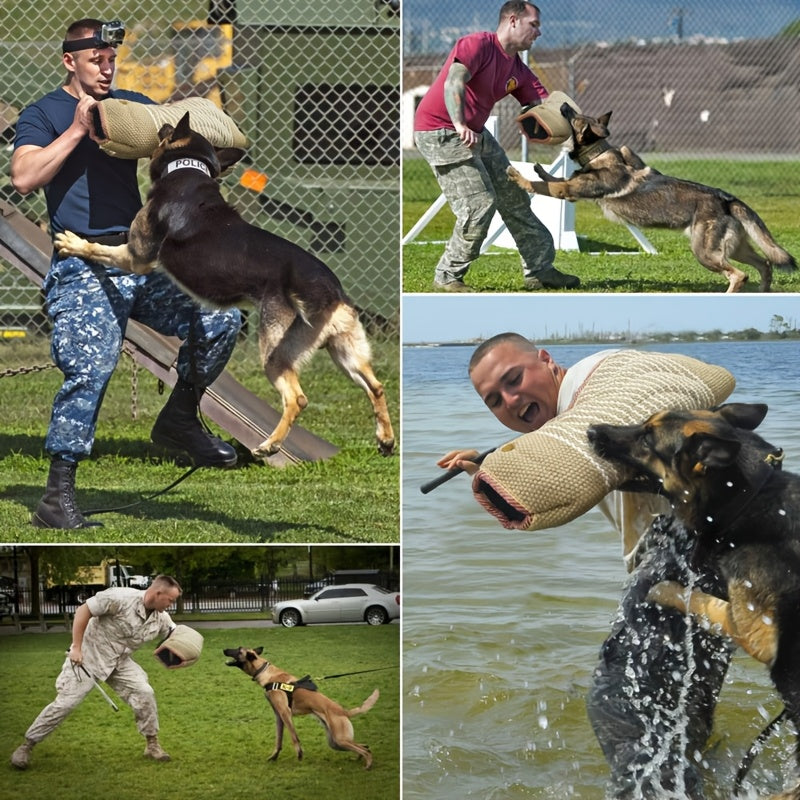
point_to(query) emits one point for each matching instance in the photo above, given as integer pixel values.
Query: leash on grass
(753, 751)
(139, 502)
(451, 473)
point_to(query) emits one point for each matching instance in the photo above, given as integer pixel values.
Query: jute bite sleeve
(181, 648)
(551, 476)
(130, 129)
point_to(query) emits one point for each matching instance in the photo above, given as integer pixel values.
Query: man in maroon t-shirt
(467, 160)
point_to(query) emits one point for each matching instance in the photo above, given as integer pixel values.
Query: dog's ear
(600, 126)
(743, 415)
(182, 129)
(228, 156)
(712, 452)
(165, 131)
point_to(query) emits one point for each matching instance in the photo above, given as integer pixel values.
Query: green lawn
(352, 497)
(768, 187)
(215, 722)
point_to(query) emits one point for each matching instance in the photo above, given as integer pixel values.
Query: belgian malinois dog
(726, 486)
(202, 243)
(290, 696)
(718, 225)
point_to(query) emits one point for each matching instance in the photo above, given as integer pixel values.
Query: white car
(350, 602)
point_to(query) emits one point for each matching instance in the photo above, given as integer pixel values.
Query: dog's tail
(366, 705)
(757, 231)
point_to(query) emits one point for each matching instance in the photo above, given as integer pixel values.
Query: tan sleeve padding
(551, 476)
(131, 129)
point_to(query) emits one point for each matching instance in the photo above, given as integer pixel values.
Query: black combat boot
(59, 508)
(178, 429)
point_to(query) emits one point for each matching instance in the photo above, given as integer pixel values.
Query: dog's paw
(386, 448)
(267, 448)
(668, 593)
(515, 176)
(69, 244)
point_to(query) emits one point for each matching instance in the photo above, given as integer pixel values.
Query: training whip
(99, 688)
(451, 473)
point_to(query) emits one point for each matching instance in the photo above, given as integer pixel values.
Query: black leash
(183, 477)
(358, 672)
(753, 751)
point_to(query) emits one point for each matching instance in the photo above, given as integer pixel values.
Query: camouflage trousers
(128, 680)
(90, 305)
(475, 183)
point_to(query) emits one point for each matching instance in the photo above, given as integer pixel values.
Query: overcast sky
(446, 318)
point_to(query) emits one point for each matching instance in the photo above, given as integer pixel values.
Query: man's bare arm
(454, 90)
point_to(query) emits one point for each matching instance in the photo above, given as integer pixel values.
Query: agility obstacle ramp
(244, 415)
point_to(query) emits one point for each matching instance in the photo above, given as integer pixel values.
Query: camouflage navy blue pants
(89, 306)
(475, 183)
(653, 693)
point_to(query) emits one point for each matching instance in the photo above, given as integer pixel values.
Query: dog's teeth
(782, 512)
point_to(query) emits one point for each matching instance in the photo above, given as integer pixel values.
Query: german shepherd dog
(290, 697)
(188, 229)
(725, 485)
(718, 225)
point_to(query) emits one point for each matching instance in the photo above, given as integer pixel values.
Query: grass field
(215, 722)
(350, 498)
(768, 187)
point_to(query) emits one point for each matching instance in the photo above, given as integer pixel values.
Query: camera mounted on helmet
(110, 34)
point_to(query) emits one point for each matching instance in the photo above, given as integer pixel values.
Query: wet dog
(202, 243)
(290, 697)
(718, 225)
(726, 486)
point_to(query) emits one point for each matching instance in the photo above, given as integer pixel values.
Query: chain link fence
(314, 88)
(683, 80)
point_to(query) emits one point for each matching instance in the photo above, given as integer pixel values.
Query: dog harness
(301, 683)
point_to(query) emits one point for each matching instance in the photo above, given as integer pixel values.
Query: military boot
(21, 757)
(59, 508)
(178, 429)
(154, 750)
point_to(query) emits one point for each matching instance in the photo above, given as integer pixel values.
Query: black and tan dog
(718, 225)
(289, 697)
(725, 485)
(202, 243)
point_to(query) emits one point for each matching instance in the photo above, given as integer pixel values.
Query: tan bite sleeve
(551, 476)
(131, 129)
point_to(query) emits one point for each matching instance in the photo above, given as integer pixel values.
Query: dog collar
(260, 669)
(187, 163)
(587, 154)
(764, 471)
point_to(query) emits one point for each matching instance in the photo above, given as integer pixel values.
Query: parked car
(350, 602)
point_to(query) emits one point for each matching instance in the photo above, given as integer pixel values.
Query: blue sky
(446, 318)
(568, 22)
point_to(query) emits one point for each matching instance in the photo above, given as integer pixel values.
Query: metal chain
(10, 373)
(134, 389)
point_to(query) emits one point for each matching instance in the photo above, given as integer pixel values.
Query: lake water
(502, 629)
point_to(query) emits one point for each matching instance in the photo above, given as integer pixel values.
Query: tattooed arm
(454, 88)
